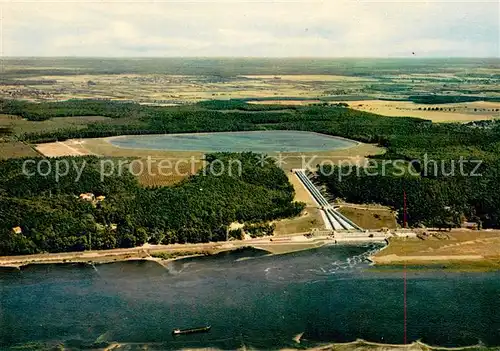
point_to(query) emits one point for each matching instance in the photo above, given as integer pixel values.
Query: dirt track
(66, 148)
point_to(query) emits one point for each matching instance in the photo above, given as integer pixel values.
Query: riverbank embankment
(165, 253)
(458, 248)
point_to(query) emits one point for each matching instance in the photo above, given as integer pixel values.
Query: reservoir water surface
(256, 141)
(330, 294)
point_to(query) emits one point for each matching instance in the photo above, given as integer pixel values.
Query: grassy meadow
(15, 149)
(186, 80)
(69, 106)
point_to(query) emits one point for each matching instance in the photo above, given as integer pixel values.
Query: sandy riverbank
(458, 248)
(358, 345)
(467, 249)
(156, 252)
(362, 345)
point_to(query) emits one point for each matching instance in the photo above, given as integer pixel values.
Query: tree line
(52, 217)
(407, 139)
(432, 200)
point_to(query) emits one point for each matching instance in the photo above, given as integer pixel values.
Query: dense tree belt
(434, 198)
(53, 218)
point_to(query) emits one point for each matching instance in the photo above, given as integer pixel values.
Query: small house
(470, 225)
(87, 197)
(17, 230)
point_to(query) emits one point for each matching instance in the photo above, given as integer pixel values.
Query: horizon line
(253, 57)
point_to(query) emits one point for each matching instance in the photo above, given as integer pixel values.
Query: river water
(330, 294)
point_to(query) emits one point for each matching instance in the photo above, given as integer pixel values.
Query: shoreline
(456, 249)
(418, 345)
(400, 248)
(272, 245)
(163, 254)
(147, 252)
(356, 345)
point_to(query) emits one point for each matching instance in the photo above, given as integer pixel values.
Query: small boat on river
(191, 330)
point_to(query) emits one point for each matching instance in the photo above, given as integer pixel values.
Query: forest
(449, 99)
(441, 201)
(53, 218)
(217, 116)
(434, 198)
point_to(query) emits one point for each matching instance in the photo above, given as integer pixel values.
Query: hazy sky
(345, 28)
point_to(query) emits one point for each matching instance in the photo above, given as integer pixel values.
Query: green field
(201, 88)
(14, 149)
(186, 80)
(224, 67)
(21, 126)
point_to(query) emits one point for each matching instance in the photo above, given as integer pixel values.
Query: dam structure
(333, 219)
